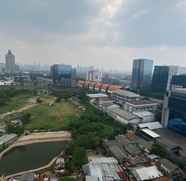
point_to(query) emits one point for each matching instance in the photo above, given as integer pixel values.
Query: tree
(159, 150)
(68, 179)
(38, 100)
(26, 118)
(18, 129)
(58, 99)
(91, 143)
(79, 157)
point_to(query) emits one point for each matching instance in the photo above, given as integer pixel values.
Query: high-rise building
(141, 73)
(10, 66)
(63, 75)
(2, 68)
(174, 107)
(178, 80)
(81, 71)
(162, 77)
(94, 75)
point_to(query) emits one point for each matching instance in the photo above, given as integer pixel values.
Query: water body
(29, 157)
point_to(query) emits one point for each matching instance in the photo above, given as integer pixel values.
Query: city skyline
(105, 33)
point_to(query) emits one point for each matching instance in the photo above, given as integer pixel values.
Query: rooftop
(91, 178)
(126, 93)
(133, 148)
(6, 138)
(124, 114)
(102, 168)
(150, 125)
(172, 139)
(142, 102)
(147, 173)
(98, 95)
(116, 149)
(150, 133)
(143, 113)
(168, 165)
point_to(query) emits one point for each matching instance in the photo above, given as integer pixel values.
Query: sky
(108, 34)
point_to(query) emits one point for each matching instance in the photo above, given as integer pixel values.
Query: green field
(15, 103)
(47, 117)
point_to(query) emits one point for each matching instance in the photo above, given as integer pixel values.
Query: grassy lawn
(51, 117)
(15, 103)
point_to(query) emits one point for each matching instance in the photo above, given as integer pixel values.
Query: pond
(29, 157)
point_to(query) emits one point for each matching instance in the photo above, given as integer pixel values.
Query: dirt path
(26, 107)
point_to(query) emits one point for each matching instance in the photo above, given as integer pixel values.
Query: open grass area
(47, 117)
(15, 103)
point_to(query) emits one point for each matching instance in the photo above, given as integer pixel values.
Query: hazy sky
(105, 33)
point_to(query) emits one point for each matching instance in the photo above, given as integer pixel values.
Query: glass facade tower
(141, 73)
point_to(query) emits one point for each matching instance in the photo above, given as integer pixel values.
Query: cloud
(107, 33)
(181, 4)
(64, 16)
(111, 7)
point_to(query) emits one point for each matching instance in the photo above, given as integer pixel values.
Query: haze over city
(104, 33)
(93, 90)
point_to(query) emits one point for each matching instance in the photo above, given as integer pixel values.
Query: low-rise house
(7, 139)
(123, 116)
(16, 122)
(122, 96)
(116, 150)
(170, 169)
(2, 129)
(24, 177)
(128, 151)
(103, 169)
(146, 173)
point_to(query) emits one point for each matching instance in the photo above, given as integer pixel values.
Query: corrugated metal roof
(91, 178)
(126, 93)
(147, 173)
(151, 125)
(99, 95)
(143, 113)
(150, 133)
(104, 167)
(6, 138)
(123, 114)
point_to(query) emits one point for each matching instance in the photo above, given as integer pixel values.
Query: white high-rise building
(10, 65)
(94, 75)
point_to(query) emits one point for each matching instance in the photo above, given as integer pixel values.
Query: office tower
(162, 77)
(10, 65)
(174, 106)
(178, 80)
(63, 75)
(141, 73)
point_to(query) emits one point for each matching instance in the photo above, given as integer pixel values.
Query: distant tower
(162, 77)
(94, 75)
(10, 65)
(141, 73)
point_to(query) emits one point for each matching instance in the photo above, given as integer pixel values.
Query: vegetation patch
(51, 117)
(12, 99)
